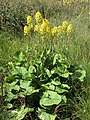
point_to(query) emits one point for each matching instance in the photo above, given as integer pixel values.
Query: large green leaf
(31, 69)
(52, 87)
(62, 71)
(12, 86)
(57, 58)
(9, 105)
(65, 75)
(24, 84)
(15, 87)
(28, 91)
(81, 78)
(22, 112)
(60, 90)
(49, 86)
(31, 90)
(19, 57)
(65, 86)
(56, 81)
(19, 71)
(46, 116)
(50, 98)
(79, 74)
(10, 96)
(64, 98)
(48, 72)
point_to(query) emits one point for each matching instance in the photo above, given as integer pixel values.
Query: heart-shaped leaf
(50, 98)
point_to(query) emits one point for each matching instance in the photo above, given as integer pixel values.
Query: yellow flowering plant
(65, 25)
(29, 19)
(46, 21)
(65, 2)
(38, 17)
(69, 28)
(42, 26)
(54, 31)
(59, 30)
(26, 30)
(29, 26)
(36, 28)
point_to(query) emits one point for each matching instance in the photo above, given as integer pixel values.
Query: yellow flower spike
(36, 28)
(48, 29)
(66, 2)
(30, 26)
(54, 31)
(43, 27)
(46, 21)
(69, 28)
(38, 17)
(64, 25)
(29, 19)
(59, 30)
(26, 30)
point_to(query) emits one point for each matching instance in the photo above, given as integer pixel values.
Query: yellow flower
(64, 25)
(59, 30)
(36, 28)
(48, 29)
(26, 30)
(65, 1)
(46, 21)
(69, 28)
(30, 26)
(44, 28)
(54, 31)
(29, 19)
(38, 17)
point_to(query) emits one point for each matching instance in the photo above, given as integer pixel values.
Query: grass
(76, 49)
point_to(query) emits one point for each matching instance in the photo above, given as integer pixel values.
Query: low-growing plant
(37, 90)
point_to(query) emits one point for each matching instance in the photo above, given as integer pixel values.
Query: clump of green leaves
(37, 89)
